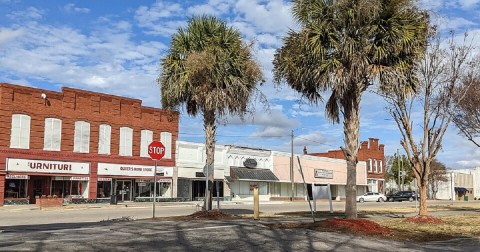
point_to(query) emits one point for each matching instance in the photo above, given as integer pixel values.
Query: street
(88, 229)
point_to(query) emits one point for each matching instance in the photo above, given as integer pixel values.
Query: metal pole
(291, 169)
(206, 204)
(218, 196)
(398, 170)
(402, 172)
(154, 189)
(305, 184)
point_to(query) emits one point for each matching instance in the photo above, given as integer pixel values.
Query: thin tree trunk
(351, 125)
(423, 197)
(210, 132)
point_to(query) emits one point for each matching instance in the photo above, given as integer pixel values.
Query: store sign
(132, 170)
(10, 176)
(104, 179)
(80, 178)
(322, 173)
(46, 166)
(250, 163)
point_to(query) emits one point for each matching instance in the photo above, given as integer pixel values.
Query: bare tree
(432, 83)
(466, 112)
(438, 173)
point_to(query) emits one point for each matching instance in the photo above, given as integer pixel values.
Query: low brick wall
(49, 202)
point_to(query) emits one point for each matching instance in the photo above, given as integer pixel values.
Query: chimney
(373, 143)
(363, 145)
(305, 150)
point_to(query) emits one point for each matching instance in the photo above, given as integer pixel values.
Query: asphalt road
(93, 229)
(24, 215)
(226, 235)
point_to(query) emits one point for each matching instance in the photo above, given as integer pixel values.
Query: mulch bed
(355, 226)
(425, 219)
(358, 226)
(210, 215)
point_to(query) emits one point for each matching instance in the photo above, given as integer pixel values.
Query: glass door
(124, 190)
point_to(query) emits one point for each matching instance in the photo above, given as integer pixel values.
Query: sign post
(156, 150)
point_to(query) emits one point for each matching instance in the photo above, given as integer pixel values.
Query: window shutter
(25, 132)
(166, 139)
(77, 138)
(108, 137)
(121, 150)
(47, 137)
(104, 136)
(129, 142)
(15, 131)
(86, 137)
(57, 134)
(146, 139)
(125, 141)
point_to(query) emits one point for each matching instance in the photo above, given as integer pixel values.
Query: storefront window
(104, 189)
(144, 189)
(15, 188)
(66, 188)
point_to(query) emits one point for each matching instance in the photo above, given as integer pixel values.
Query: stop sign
(156, 150)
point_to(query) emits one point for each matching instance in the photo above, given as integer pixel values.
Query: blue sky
(116, 46)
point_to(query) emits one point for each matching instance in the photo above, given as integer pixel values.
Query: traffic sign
(156, 150)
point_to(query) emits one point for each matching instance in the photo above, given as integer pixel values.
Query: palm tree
(345, 46)
(209, 70)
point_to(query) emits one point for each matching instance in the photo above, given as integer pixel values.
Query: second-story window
(20, 132)
(53, 134)
(126, 136)
(166, 139)
(380, 168)
(81, 142)
(104, 139)
(146, 139)
(369, 165)
(375, 168)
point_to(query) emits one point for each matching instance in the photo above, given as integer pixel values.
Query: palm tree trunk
(210, 132)
(351, 125)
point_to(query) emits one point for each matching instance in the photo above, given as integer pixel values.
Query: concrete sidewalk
(198, 204)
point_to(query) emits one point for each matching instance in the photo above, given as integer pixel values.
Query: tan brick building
(79, 144)
(373, 154)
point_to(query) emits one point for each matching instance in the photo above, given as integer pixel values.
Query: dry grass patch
(453, 227)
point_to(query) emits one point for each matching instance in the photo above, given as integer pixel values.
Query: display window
(65, 187)
(103, 189)
(16, 188)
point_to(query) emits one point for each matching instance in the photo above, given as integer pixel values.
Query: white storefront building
(238, 170)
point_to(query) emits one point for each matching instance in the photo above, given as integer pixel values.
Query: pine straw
(425, 219)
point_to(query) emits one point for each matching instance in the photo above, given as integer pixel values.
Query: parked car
(403, 196)
(372, 196)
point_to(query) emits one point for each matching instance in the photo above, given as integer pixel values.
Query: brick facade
(71, 105)
(370, 149)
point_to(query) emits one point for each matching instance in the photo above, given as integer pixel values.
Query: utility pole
(398, 169)
(291, 169)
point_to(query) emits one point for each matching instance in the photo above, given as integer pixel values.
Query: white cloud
(31, 13)
(71, 8)
(467, 4)
(267, 16)
(106, 61)
(7, 34)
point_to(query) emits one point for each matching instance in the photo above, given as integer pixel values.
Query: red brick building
(373, 154)
(78, 144)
